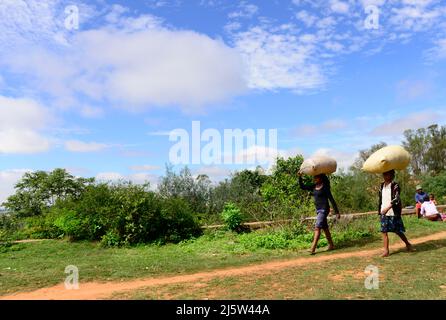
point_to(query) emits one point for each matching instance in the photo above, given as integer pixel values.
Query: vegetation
(55, 204)
(232, 217)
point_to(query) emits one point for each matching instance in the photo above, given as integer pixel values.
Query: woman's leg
(404, 238)
(317, 235)
(386, 244)
(329, 239)
(436, 217)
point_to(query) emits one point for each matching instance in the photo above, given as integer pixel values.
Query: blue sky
(101, 99)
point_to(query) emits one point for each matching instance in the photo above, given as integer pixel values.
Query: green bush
(232, 217)
(111, 239)
(436, 184)
(70, 224)
(178, 221)
(297, 236)
(123, 214)
(40, 227)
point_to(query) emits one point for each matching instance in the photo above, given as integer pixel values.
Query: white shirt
(428, 208)
(387, 199)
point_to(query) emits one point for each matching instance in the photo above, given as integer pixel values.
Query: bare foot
(312, 253)
(385, 254)
(410, 248)
(330, 248)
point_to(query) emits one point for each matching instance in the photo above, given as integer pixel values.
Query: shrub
(436, 184)
(110, 239)
(232, 217)
(40, 227)
(123, 214)
(70, 224)
(178, 220)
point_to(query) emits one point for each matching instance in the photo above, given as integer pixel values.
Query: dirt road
(92, 290)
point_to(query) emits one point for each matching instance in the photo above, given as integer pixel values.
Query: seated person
(429, 209)
(419, 199)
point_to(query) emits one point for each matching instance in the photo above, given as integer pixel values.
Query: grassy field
(28, 266)
(417, 275)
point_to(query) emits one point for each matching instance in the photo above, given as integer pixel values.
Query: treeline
(57, 204)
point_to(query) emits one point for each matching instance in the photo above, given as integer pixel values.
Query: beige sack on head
(318, 165)
(386, 159)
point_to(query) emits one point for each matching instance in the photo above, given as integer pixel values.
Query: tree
(436, 154)
(37, 191)
(427, 147)
(281, 191)
(243, 189)
(365, 154)
(436, 184)
(196, 191)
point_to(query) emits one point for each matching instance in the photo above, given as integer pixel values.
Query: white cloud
(109, 176)
(145, 167)
(138, 178)
(307, 18)
(246, 10)
(334, 46)
(277, 59)
(343, 158)
(438, 52)
(135, 63)
(412, 89)
(144, 177)
(92, 112)
(215, 173)
(22, 122)
(378, 3)
(339, 6)
(8, 179)
(81, 146)
(411, 121)
(326, 127)
(416, 15)
(171, 76)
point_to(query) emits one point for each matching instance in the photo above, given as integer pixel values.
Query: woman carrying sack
(390, 211)
(322, 195)
(385, 161)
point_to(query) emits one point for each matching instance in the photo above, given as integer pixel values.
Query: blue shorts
(321, 219)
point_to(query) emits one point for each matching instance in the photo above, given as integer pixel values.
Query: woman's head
(389, 176)
(321, 178)
(431, 197)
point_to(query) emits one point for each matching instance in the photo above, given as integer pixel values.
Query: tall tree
(427, 147)
(365, 154)
(39, 190)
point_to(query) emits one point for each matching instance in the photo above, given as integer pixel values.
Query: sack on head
(318, 165)
(386, 159)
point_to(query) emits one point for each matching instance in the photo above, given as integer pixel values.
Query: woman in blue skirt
(390, 209)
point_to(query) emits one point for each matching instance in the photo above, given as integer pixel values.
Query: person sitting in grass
(419, 199)
(322, 194)
(429, 209)
(390, 209)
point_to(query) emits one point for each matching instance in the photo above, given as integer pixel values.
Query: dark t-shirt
(321, 196)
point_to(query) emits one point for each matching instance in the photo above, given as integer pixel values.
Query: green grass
(28, 266)
(417, 275)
